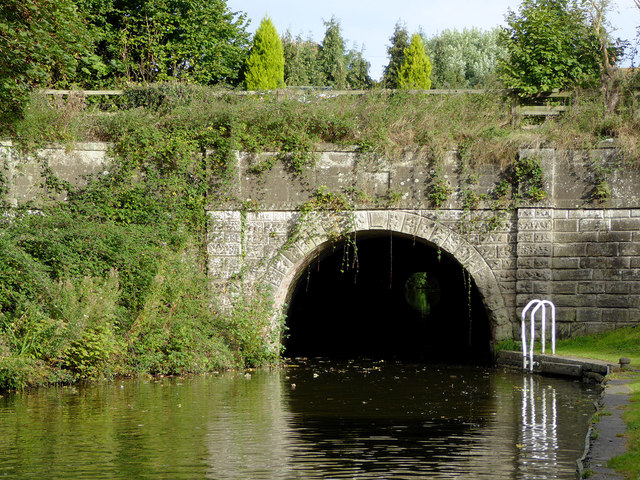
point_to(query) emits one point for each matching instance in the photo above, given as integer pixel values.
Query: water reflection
(309, 420)
(539, 441)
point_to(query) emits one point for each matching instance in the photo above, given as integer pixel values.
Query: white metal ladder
(537, 304)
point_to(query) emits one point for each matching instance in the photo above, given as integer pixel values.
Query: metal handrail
(538, 304)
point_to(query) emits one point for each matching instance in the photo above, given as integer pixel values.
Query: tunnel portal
(387, 296)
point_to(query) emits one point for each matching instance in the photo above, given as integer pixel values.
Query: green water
(308, 420)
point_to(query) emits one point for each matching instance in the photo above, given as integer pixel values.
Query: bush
(176, 332)
(252, 331)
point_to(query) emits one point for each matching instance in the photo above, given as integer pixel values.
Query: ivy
(527, 177)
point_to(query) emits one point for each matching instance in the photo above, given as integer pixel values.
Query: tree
(399, 43)
(415, 72)
(332, 58)
(154, 40)
(464, 59)
(42, 44)
(301, 61)
(550, 45)
(265, 64)
(358, 71)
(598, 10)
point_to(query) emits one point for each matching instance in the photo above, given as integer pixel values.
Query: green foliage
(399, 43)
(301, 61)
(175, 331)
(338, 220)
(509, 344)
(601, 187)
(358, 71)
(137, 219)
(466, 59)
(324, 200)
(550, 45)
(332, 58)
(527, 177)
(21, 372)
(264, 69)
(87, 312)
(392, 197)
(252, 330)
(439, 190)
(74, 332)
(415, 72)
(42, 44)
(144, 41)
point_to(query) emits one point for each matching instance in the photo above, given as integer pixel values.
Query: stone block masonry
(599, 261)
(582, 254)
(579, 252)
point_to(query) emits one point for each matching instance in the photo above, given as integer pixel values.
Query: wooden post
(515, 110)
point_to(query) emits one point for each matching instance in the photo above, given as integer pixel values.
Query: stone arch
(287, 268)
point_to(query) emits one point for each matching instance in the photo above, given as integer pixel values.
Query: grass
(479, 126)
(610, 346)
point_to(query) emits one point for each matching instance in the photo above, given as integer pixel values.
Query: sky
(370, 23)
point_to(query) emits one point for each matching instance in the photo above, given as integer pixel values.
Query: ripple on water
(342, 420)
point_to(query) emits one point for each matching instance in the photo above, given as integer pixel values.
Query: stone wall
(595, 268)
(24, 173)
(580, 252)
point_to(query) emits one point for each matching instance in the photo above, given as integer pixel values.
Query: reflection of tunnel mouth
(343, 308)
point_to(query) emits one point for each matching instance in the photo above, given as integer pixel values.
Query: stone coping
(558, 365)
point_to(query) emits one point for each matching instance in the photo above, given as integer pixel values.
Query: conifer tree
(399, 43)
(301, 62)
(264, 69)
(332, 56)
(358, 71)
(415, 72)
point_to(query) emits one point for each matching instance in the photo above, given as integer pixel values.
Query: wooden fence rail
(540, 106)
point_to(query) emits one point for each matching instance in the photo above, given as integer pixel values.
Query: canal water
(308, 420)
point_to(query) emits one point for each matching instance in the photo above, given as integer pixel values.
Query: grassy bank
(610, 347)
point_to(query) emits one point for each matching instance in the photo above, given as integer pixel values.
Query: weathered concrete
(24, 173)
(581, 253)
(564, 366)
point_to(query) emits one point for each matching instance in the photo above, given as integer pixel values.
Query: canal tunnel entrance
(390, 297)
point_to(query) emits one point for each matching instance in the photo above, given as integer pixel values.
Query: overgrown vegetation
(113, 280)
(379, 122)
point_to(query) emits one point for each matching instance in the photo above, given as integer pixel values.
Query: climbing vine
(527, 178)
(439, 190)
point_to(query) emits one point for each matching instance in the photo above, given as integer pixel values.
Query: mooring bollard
(538, 304)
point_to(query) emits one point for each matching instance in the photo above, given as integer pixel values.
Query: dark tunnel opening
(392, 297)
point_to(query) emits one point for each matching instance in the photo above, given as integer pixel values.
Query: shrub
(265, 64)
